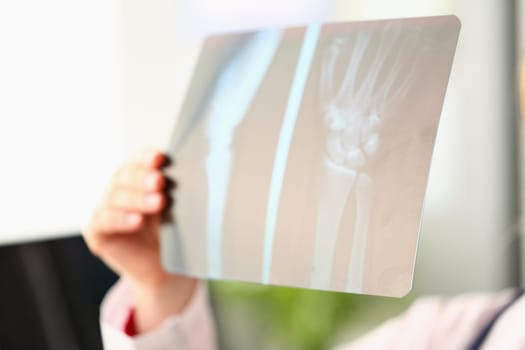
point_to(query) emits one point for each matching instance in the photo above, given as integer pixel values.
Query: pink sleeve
(436, 323)
(193, 329)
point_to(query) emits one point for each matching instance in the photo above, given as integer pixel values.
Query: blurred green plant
(294, 318)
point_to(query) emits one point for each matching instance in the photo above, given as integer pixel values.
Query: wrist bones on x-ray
(353, 116)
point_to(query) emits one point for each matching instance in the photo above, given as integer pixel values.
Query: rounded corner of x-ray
(402, 290)
(455, 20)
(452, 22)
(308, 153)
(403, 293)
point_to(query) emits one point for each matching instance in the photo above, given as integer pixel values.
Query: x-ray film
(302, 155)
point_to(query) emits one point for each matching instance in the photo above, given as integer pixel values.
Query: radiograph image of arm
(302, 155)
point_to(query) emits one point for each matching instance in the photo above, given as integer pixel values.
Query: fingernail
(153, 200)
(133, 218)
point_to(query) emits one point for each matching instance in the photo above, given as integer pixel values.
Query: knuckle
(131, 176)
(133, 201)
(119, 198)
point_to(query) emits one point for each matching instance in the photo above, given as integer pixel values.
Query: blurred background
(84, 84)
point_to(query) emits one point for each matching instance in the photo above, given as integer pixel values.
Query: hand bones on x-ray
(353, 114)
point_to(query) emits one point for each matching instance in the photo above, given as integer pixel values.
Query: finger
(135, 176)
(109, 220)
(133, 200)
(106, 223)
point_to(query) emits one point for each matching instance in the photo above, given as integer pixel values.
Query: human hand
(124, 233)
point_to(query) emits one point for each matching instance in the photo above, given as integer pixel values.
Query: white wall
(59, 134)
(469, 238)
